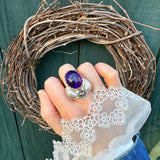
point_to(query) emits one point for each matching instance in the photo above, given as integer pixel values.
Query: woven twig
(54, 26)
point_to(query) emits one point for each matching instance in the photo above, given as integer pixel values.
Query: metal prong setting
(80, 92)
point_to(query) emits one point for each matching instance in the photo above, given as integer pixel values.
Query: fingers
(67, 107)
(109, 74)
(49, 112)
(62, 72)
(88, 71)
(56, 105)
(56, 92)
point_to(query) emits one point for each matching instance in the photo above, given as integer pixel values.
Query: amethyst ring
(76, 86)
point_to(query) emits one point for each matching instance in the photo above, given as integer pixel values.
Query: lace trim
(74, 148)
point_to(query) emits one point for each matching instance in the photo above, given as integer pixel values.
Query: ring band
(76, 86)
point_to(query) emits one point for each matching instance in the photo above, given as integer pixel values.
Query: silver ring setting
(76, 86)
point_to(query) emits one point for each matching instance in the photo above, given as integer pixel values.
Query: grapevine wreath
(54, 26)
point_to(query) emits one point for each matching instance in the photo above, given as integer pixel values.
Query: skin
(56, 105)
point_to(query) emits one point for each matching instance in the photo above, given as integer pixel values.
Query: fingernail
(41, 95)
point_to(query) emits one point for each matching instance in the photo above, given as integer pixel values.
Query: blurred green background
(27, 142)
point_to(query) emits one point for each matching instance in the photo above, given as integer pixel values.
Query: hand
(54, 102)
(105, 120)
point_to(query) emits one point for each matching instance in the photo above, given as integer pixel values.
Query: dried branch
(53, 26)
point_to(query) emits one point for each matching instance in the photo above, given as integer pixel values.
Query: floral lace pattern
(71, 148)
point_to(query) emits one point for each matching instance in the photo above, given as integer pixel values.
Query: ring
(76, 86)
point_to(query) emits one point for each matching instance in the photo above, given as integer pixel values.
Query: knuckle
(113, 75)
(85, 65)
(49, 81)
(45, 115)
(65, 68)
(75, 114)
(98, 64)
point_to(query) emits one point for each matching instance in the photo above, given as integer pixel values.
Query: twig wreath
(54, 26)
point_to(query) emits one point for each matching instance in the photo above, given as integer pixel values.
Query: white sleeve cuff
(106, 132)
(118, 152)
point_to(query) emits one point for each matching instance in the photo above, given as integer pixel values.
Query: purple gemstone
(73, 79)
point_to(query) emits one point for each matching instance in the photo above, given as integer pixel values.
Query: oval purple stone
(73, 79)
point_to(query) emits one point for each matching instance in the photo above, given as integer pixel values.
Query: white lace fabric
(113, 118)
